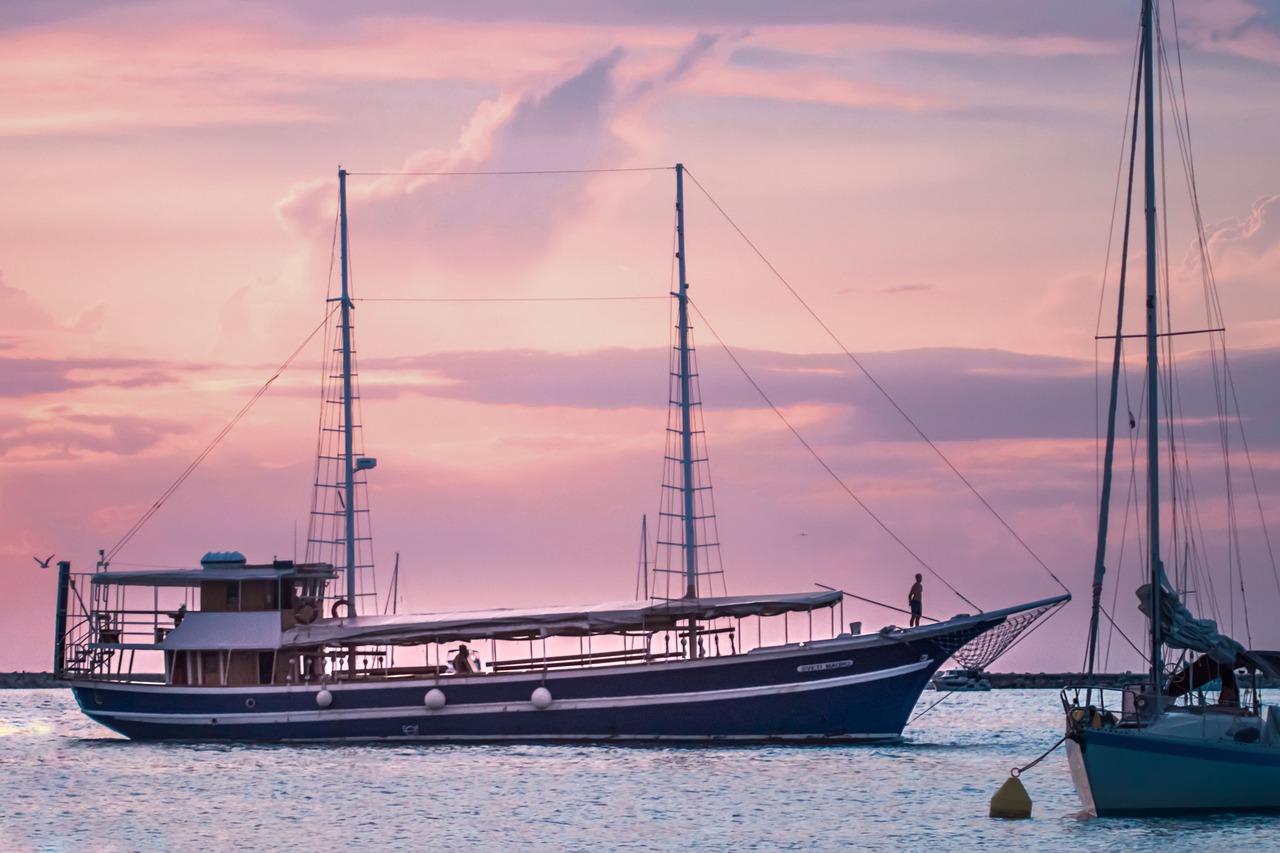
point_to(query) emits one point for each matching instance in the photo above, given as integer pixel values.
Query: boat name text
(817, 667)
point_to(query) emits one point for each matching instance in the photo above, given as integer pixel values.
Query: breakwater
(1058, 680)
(29, 680)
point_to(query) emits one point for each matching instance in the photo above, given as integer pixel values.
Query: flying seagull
(44, 564)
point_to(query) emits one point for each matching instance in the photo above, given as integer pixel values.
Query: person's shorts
(915, 608)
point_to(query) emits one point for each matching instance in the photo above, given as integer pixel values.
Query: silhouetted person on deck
(462, 661)
(913, 598)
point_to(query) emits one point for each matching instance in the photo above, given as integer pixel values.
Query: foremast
(339, 530)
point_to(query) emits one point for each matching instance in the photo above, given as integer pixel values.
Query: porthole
(250, 703)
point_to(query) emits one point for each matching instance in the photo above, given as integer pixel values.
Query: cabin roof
(195, 577)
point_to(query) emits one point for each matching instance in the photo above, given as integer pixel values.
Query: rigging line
(879, 387)
(364, 555)
(1122, 634)
(1142, 335)
(461, 174)
(1120, 182)
(313, 530)
(1182, 127)
(931, 707)
(1253, 476)
(1181, 489)
(662, 558)
(1130, 514)
(1181, 503)
(1135, 77)
(1104, 475)
(823, 463)
(876, 603)
(503, 298)
(216, 440)
(1120, 171)
(1227, 397)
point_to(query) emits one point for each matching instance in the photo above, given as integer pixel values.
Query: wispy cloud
(68, 436)
(569, 124)
(30, 377)
(19, 311)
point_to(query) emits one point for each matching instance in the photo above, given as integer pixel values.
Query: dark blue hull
(857, 689)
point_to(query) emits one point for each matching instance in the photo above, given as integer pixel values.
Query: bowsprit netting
(983, 650)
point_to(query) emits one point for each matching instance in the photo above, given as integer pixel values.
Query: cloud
(91, 321)
(69, 436)
(20, 312)
(23, 377)
(510, 222)
(28, 377)
(1255, 234)
(958, 395)
(22, 316)
(118, 66)
(953, 395)
(1245, 255)
(1238, 28)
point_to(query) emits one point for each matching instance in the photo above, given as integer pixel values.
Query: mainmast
(1153, 375)
(348, 424)
(686, 417)
(688, 550)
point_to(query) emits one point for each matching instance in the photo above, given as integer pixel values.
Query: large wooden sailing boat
(285, 651)
(1162, 748)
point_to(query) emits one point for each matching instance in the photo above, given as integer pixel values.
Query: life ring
(341, 602)
(306, 613)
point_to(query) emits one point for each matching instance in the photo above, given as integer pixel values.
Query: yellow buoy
(1011, 801)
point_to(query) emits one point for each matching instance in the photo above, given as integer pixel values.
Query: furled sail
(1180, 630)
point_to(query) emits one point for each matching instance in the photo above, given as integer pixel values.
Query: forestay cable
(800, 438)
(879, 388)
(216, 440)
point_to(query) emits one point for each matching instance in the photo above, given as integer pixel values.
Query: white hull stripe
(477, 708)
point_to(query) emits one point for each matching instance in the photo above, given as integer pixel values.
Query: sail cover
(568, 621)
(1180, 630)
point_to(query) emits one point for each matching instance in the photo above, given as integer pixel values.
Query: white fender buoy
(324, 698)
(434, 699)
(541, 698)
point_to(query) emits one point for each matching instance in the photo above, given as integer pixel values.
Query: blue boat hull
(1135, 773)
(855, 689)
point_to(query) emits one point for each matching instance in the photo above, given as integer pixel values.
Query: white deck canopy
(231, 630)
(568, 621)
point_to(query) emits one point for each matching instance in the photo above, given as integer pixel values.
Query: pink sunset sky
(936, 180)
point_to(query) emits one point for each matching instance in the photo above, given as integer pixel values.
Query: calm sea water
(69, 785)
